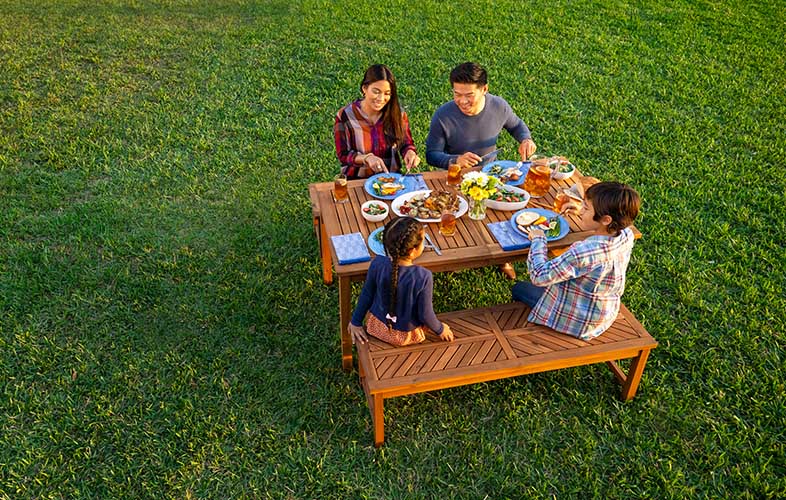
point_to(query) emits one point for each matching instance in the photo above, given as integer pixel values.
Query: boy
(578, 293)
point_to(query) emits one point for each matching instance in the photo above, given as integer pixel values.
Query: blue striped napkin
(350, 248)
(507, 237)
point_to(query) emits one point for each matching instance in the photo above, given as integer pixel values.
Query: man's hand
(527, 148)
(468, 159)
(358, 334)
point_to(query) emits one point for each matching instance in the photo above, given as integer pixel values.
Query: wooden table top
(473, 245)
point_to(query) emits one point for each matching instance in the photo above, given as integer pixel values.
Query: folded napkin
(418, 182)
(350, 248)
(508, 238)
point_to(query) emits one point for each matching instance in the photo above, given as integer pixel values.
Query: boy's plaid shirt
(583, 285)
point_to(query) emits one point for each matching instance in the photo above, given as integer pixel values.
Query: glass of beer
(454, 174)
(538, 180)
(447, 223)
(340, 194)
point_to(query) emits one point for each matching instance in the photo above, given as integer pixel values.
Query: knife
(432, 245)
(488, 156)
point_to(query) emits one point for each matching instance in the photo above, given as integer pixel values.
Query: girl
(370, 132)
(397, 293)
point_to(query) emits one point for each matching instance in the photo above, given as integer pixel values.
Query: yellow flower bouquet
(478, 187)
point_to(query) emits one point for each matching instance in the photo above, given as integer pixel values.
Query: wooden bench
(494, 343)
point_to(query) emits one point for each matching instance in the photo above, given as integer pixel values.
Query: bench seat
(492, 343)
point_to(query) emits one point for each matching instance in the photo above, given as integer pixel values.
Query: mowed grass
(164, 328)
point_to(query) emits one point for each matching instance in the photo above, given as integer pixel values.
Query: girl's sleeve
(544, 272)
(426, 307)
(344, 152)
(408, 143)
(366, 296)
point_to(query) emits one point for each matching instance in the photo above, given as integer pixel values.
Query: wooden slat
(457, 356)
(494, 353)
(445, 358)
(483, 351)
(407, 364)
(391, 370)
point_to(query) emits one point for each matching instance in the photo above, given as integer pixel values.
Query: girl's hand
(411, 159)
(447, 333)
(533, 232)
(358, 334)
(375, 163)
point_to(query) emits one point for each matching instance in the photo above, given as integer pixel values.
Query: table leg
(345, 313)
(324, 250)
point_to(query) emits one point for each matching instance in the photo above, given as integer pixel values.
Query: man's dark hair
(619, 201)
(469, 72)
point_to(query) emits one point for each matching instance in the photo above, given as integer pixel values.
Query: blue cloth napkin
(508, 238)
(418, 182)
(350, 248)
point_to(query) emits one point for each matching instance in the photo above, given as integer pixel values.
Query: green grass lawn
(164, 331)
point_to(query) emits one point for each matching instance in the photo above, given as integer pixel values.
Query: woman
(372, 131)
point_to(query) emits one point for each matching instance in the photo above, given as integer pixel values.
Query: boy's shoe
(508, 270)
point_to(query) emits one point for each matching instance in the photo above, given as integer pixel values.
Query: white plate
(505, 205)
(395, 205)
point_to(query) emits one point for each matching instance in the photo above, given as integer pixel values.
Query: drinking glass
(454, 174)
(447, 223)
(340, 194)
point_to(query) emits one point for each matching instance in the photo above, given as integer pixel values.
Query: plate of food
(387, 186)
(555, 226)
(508, 172)
(508, 198)
(375, 241)
(427, 206)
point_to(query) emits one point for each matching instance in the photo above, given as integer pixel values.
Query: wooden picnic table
(472, 246)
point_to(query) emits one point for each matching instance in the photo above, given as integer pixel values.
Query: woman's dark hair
(619, 201)
(469, 72)
(392, 120)
(400, 236)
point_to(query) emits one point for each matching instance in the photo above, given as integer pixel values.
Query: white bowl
(505, 205)
(561, 176)
(374, 218)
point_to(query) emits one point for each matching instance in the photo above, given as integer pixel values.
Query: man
(465, 129)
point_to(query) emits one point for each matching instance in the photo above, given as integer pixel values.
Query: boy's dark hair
(469, 72)
(399, 237)
(619, 201)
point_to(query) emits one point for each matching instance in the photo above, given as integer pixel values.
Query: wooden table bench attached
(494, 343)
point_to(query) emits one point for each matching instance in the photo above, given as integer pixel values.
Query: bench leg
(378, 418)
(634, 375)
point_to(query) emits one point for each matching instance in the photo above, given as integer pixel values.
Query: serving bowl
(506, 205)
(559, 175)
(374, 217)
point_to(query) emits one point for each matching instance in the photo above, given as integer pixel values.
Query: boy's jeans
(526, 292)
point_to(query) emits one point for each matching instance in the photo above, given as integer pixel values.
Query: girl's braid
(400, 247)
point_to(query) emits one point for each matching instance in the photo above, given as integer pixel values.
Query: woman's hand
(411, 159)
(374, 163)
(358, 334)
(527, 148)
(447, 333)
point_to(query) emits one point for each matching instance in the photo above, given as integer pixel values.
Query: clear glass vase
(477, 209)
